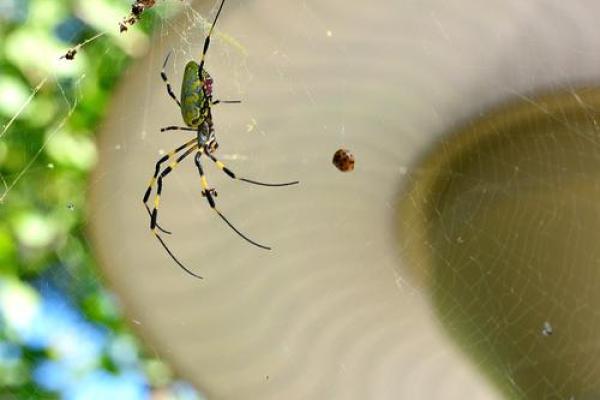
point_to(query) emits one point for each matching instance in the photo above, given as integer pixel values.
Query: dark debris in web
(137, 9)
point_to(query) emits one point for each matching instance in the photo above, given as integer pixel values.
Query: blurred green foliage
(49, 110)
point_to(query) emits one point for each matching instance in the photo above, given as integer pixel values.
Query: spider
(195, 105)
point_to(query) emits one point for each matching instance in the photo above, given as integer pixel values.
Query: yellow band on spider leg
(156, 201)
(203, 182)
(152, 181)
(220, 164)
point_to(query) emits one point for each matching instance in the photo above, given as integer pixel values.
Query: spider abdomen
(195, 95)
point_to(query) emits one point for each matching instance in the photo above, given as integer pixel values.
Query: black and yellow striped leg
(178, 128)
(154, 215)
(207, 42)
(163, 75)
(159, 184)
(207, 192)
(161, 161)
(230, 173)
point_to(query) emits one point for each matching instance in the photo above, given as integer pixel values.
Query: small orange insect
(343, 160)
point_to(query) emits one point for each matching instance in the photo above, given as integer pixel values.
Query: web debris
(136, 12)
(137, 9)
(72, 52)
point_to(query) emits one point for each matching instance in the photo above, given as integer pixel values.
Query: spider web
(43, 312)
(519, 299)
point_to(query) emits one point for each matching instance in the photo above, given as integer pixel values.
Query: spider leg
(178, 128)
(165, 172)
(163, 75)
(230, 173)
(162, 160)
(153, 224)
(211, 201)
(215, 102)
(207, 42)
(179, 263)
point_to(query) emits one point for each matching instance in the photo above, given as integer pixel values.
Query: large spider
(195, 105)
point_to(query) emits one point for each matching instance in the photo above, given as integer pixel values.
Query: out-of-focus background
(62, 334)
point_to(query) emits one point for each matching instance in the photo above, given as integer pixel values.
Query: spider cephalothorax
(195, 105)
(208, 82)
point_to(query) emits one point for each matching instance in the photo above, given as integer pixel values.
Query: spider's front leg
(164, 77)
